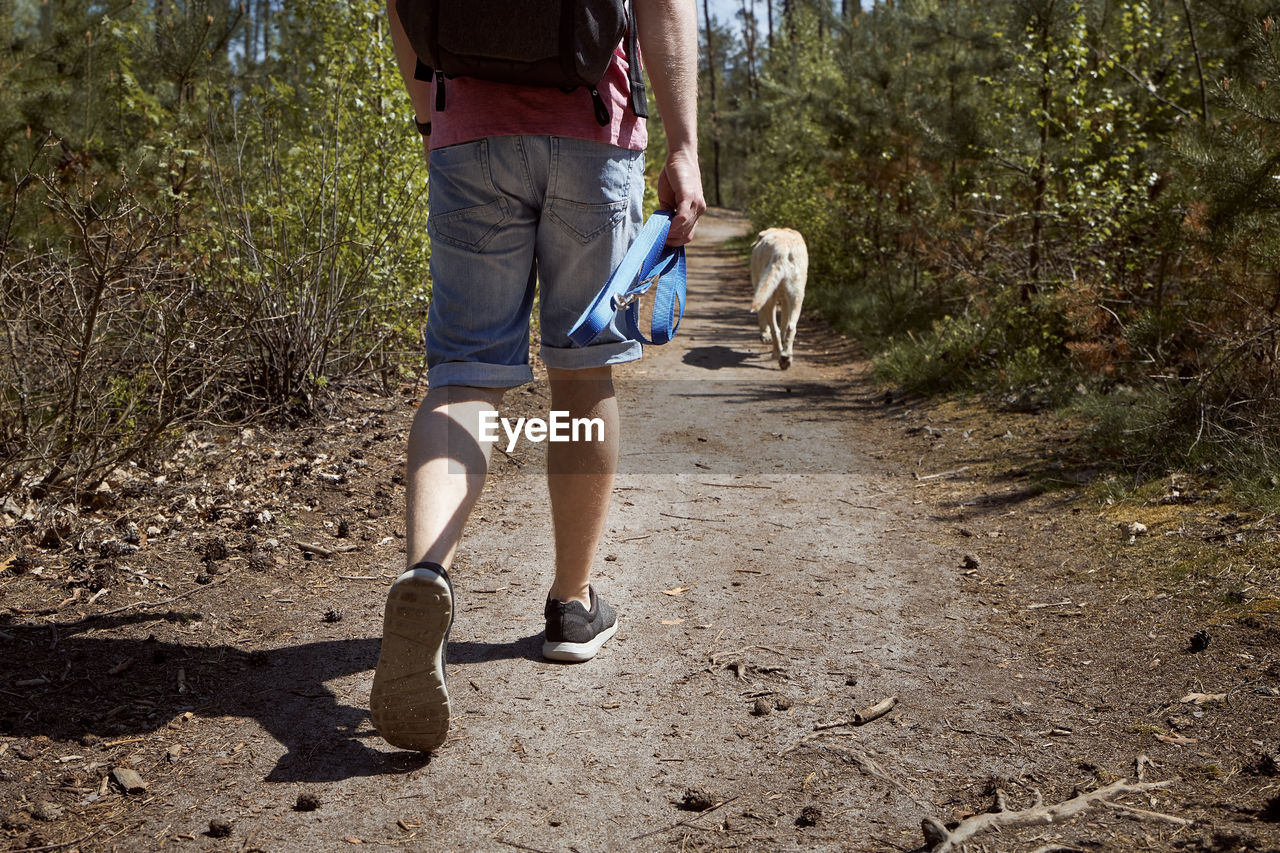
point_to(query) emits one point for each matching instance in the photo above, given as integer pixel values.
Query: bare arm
(668, 32)
(419, 90)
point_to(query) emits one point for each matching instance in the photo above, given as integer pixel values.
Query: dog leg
(783, 350)
(789, 333)
(774, 330)
(762, 315)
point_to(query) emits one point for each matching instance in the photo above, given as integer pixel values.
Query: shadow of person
(60, 685)
(470, 651)
(64, 690)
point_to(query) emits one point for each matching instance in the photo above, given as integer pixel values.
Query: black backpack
(559, 43)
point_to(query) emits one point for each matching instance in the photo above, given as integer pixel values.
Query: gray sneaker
(575, 633)
(409, 702)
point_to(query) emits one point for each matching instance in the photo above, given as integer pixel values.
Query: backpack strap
(635, 74)
(648, 262)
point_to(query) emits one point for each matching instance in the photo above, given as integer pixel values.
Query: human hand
(680, 191)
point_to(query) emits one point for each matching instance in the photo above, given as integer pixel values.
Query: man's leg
(448, 462)
(446, 470)
(580, 480)
(580, 476)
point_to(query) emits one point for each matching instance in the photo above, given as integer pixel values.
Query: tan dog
(779, 267)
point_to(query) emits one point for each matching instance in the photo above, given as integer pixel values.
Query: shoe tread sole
(409, 702)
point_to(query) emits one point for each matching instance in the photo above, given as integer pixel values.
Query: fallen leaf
(351, 839)
(672, 621)
(1202, 698)
(1176, 740)
(676, 590)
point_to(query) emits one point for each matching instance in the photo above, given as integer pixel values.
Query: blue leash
(647, 263)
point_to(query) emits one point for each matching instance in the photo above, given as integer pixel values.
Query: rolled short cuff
(478, 374)
(598, 355)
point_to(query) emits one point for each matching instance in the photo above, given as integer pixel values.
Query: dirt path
(776, 565)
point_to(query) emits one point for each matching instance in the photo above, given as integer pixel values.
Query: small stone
(219, 827)
(88, 739)
(783, 703)
(307, 802)
(611, 558)
(809, 816)
(969, 562)
(762, 707)
(47, 811)
(203, 578)
(129, 780)
(333, 615)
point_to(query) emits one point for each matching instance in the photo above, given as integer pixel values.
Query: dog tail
(769, 280)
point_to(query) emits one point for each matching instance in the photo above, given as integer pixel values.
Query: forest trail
(779, 562)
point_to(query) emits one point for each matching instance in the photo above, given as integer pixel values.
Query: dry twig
(939, 839)
(687, 821)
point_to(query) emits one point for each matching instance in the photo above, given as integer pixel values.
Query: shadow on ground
(79, 685)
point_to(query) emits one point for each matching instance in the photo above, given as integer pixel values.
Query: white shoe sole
(578, 652)
(409, 702)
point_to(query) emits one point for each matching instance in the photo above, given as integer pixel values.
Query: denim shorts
(511, 213)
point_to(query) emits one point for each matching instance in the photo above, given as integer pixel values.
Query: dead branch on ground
(939, 839)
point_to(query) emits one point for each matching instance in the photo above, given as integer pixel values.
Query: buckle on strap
(641, 288)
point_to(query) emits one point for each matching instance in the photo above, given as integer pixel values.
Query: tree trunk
(715, 112)
(1040, 188)
(163, 23)
(6, 24)
(1195, 48)
(46, 20)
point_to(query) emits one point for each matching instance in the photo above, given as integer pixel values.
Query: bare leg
(447, 467)
(580, 477)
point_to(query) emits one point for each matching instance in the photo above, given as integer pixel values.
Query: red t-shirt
(477, 108)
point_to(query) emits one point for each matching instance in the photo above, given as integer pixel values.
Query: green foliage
(1034, 198)
(211, 210)
(311, 189)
